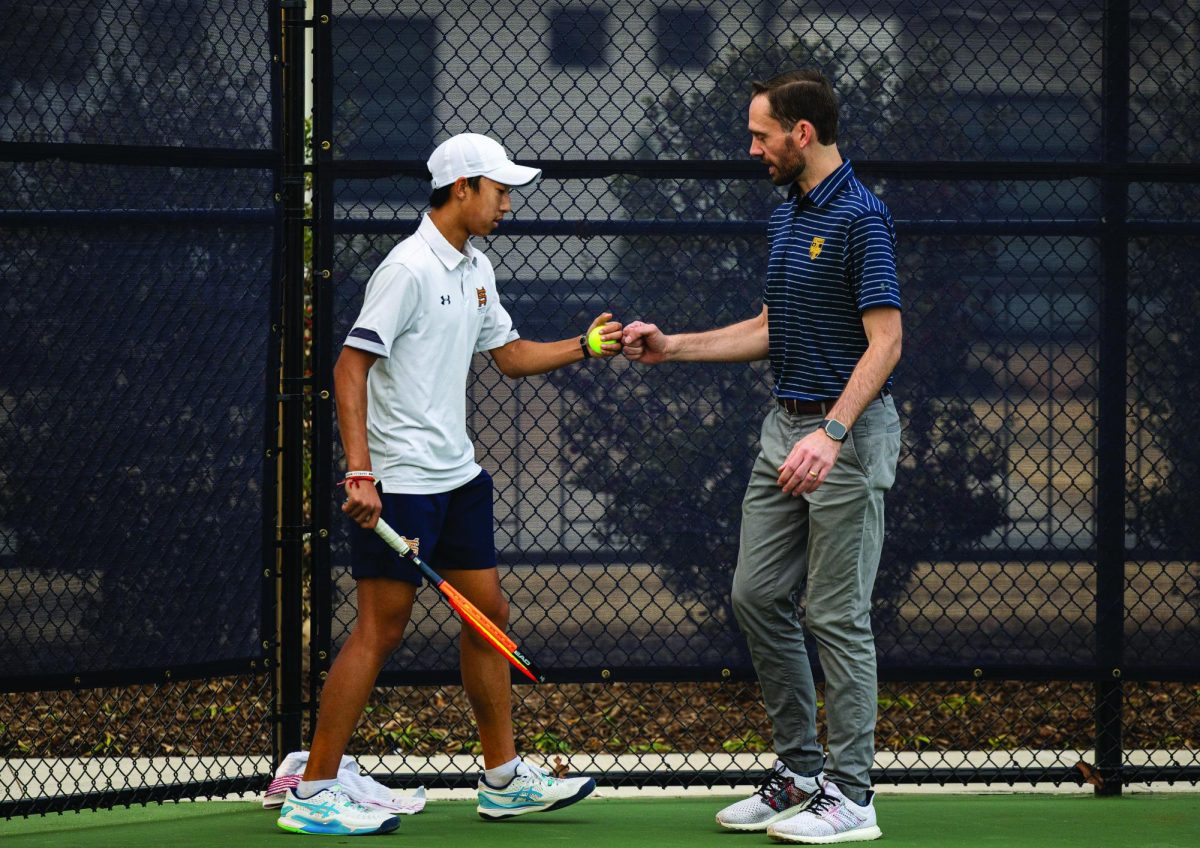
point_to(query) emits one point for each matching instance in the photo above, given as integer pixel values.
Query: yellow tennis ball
(595, 344)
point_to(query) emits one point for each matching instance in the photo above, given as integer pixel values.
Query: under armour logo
(445, 299)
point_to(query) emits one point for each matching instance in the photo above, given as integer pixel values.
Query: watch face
(836, 430)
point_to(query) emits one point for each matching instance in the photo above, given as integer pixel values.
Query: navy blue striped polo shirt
(833, 256)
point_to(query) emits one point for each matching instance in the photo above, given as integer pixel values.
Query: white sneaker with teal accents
(830, 818)
(531, 791)
(334, 813)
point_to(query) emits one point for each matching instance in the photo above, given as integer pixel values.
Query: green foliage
(548, 743)
(902, 701)
(404, 737)
(1002, 742)
(675, 463)
(655, 746)
(212, 711)
(917, 743)
(108, 745)
(751, 743)
(958, 705)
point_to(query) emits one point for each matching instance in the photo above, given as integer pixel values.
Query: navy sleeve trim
(366, 335)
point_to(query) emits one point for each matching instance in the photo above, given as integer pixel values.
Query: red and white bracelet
(352, 478)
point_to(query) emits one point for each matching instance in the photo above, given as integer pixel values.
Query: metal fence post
(1110, 448)
(292, 389)
(321, 650)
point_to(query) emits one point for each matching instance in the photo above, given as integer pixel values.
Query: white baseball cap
(474, 155)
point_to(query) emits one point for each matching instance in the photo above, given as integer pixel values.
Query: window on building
(684, 37)
(578, 37)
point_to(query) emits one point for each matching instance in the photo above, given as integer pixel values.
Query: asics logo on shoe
(524, 795)
(318, 809)
(529, 793)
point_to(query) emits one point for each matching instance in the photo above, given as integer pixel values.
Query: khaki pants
(828, 541)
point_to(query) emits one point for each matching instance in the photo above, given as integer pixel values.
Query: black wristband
(583, 345)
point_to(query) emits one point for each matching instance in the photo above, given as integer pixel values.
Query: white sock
(502, 775)
(309, 788)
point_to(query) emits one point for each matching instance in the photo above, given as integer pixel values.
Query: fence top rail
(750, 169)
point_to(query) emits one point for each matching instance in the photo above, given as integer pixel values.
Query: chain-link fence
(138, 249)
(1036, 606)
(1039, 161)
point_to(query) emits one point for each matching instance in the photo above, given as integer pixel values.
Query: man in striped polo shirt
(813, 510)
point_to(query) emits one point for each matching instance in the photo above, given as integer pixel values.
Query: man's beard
(791, 166)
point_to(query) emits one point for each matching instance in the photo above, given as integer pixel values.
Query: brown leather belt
(805, 407)
(814, 407)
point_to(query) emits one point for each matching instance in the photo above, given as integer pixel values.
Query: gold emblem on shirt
(814, 249)
(481, 296)
(415, 544)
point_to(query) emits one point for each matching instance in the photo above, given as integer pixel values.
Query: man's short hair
(440, 196)
(803, 95)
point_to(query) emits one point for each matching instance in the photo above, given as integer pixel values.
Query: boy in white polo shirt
(401, 384)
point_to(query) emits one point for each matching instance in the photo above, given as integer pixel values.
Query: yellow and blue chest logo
(481, 297)
(814, 249)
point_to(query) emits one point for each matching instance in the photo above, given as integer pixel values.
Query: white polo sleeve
(389, 309)
(496, 329)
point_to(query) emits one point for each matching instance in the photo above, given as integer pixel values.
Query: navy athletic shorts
(449, 530)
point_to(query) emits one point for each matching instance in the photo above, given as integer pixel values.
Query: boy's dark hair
(802, 95)
(441, 196)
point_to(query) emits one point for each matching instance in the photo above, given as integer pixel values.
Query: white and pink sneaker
(831, 817)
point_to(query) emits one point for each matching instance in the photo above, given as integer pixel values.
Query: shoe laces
(344, 797)
(823, 803)
(535, 773)
(774, 783)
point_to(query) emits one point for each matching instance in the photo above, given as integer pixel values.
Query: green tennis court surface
(930, 821)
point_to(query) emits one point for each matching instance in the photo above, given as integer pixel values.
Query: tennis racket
(466, 610)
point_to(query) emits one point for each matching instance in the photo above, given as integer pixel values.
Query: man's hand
(362, 502)
(808, 464)
(610, 331)
(645, 343)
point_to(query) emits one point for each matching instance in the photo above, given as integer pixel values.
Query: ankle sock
(309, 788)
(501, 775)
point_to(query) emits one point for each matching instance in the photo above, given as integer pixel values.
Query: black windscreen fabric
(134, 327)
(131, 430)
(178, 73)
